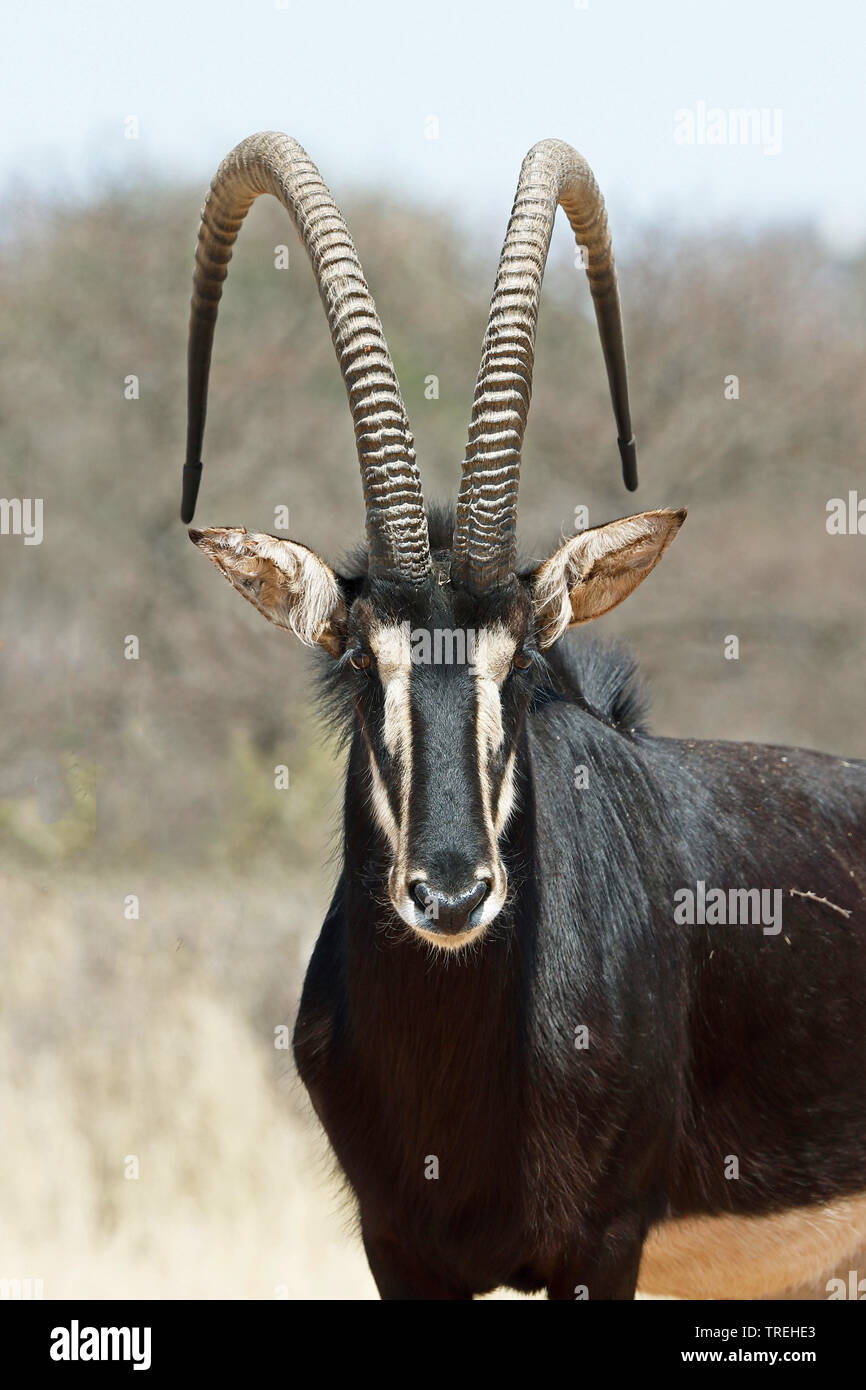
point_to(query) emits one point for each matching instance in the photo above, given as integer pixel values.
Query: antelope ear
(285, 581)
(597, 569)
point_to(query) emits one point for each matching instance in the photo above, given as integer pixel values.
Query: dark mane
(602, 676)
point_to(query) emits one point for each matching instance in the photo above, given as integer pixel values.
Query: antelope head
(438, 646)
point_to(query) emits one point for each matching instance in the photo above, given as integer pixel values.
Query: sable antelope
(532, 1072)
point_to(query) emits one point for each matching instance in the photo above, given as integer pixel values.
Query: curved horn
(552, 174)
(274, 163)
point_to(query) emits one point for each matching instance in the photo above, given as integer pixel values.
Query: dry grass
(125, 1039)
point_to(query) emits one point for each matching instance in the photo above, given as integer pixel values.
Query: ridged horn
(553, 174)
(276, 164)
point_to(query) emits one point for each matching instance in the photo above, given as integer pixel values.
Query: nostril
(478, 894)
(420, 893)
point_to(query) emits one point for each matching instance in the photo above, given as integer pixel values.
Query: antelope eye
(360, 660)
(523, 660)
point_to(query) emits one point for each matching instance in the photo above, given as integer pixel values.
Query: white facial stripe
(490, 730)
(397, 728)
(494, 651)
(390, 645)
(381, 803)
(505, 804)
(394, 660)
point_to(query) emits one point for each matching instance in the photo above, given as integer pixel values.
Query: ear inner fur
(596, 570)
(284, 580)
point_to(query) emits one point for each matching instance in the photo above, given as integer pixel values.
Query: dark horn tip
(189, 497)
(628, 454)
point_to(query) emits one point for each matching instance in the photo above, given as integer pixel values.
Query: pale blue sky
(356, 82)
